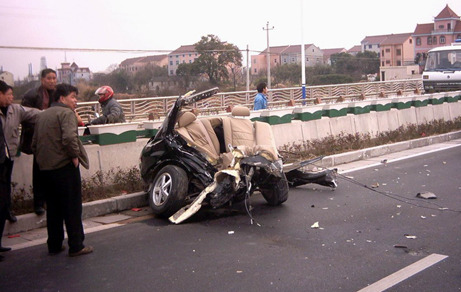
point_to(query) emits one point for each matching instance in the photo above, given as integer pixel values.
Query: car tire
(276, 193)
(168, 191)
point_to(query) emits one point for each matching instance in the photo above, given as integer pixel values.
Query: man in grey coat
(112, 111)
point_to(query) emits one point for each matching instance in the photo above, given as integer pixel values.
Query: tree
(187, 72)
(215, 57)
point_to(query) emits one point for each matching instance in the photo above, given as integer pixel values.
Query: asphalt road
(221, 251)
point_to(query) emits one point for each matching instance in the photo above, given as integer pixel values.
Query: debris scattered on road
(325, 208)
(14, 235)
(315, 225)
(410, 236)
(423, 217)
(239, 272)
(444, 162)
(312, 206)
(426, 195)
(375, 185)
(399, 206)
(400, 246)
(230, 232)
(384, 161)
(136, 209)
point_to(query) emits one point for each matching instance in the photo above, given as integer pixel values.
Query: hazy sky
(165, 25)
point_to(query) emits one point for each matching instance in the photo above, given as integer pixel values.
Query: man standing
(11, 116)
(58, 152)
(39, 98)
(261, 99)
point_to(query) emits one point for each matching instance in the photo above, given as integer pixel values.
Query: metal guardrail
(153, 108)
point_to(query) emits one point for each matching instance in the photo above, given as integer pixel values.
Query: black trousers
(63, 189)
(6, 169)
(37, 185)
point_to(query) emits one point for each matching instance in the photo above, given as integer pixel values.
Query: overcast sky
(163, 26)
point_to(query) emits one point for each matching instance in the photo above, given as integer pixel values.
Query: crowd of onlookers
(48, 125)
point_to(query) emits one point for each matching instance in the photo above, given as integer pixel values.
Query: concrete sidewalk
(99, 215)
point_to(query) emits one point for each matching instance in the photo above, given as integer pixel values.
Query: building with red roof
(445, 29)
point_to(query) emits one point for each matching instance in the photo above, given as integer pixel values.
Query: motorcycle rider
(112, 112)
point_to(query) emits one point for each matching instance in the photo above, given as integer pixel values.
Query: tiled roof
(286, 49)
(329, 52)
(355, 49)
(130, 61)
(446, 13)
(424, 28)
(184, 49)
(374, 39)
(393, 39)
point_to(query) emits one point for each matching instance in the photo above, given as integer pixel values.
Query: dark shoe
(39, 211)
(3, 249)
(63, 248)
(85, 250)
(10, 217)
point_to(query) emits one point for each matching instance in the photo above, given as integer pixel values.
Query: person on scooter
(112, 112)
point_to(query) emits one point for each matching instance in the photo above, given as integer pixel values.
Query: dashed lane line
(404, 273)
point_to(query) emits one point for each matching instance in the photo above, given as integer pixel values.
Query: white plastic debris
(315, 225)
(410, 236)
(426, 195)
(230, 232)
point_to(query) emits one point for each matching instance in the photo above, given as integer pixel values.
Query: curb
(31, 221)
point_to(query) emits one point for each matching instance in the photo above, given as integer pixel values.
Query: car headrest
(186, 119)
(240, 111)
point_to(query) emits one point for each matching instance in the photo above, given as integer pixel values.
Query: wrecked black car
(216, 160)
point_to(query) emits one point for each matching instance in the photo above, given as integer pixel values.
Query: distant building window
(284, 60)
(399, 63)
(177, 56)
(177, 62)
(411, 41)
(382, 53)
(171, 72)
(458, 37)
(429, 40)
(388, 50)
(448, 26)
(434, 40)
(418, 41)
(378, 45)
(442, 39)
(382, 63)
(256, 71)
(171, 63)
(190, 61)
(441, 26)
(190, 55)
(275, 61)
(388, 62)
(370, 46)
(399, 52)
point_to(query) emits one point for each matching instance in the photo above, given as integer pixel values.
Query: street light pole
(268, 55)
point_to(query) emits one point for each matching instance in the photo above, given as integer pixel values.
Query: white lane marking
(397, 159)
(404, 273)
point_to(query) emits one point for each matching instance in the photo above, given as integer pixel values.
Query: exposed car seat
(255, 137)
(197, 135)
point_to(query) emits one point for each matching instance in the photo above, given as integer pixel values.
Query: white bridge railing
(150, 108)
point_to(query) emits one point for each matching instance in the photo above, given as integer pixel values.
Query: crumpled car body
(216, 161)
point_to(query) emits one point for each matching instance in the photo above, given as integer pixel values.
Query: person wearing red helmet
(112, 112)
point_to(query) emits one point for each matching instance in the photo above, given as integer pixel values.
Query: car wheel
(168, 191)
(277, 192)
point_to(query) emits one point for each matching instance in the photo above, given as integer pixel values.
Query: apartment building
(133, 65)
(290, 54)
(71, 73)
(445, 29)
(184, 54)
(397, 58)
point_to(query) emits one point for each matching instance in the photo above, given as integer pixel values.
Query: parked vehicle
(215, 161)
(443, 69)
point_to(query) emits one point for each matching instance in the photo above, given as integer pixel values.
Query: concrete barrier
(327, 119)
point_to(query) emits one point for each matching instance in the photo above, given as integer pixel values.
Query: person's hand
(75, 161)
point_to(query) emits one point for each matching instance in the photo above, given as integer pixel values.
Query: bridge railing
(151, 108)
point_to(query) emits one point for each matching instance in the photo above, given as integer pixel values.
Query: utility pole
(248, 69)
(303, 56)
(268, 56)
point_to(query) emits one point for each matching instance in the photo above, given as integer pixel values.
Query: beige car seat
(196, 134)
(253, 138)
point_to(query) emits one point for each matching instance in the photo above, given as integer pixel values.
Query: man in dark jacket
(112, 111)
(59, 152)
(39, 98)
